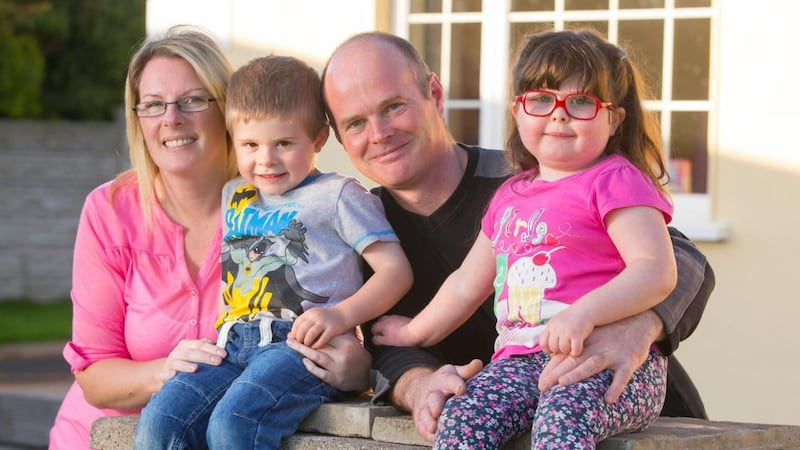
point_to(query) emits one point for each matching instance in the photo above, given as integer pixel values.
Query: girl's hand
(564, 334)
(393, 330)
(185, 356)
(317, 326)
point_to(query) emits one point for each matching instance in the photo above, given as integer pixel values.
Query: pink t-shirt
(133, 297)
(551, 245)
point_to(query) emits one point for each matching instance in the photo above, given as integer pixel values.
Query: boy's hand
(393, 330)
(317, 326)
(564, 334)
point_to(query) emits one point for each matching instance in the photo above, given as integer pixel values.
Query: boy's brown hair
(276, 86)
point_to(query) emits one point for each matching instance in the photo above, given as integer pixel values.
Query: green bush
(83, 52)
(20, 83)
(27, 321)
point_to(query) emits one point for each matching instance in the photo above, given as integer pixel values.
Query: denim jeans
(254, 399)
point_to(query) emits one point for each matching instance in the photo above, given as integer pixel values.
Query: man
(386, 109)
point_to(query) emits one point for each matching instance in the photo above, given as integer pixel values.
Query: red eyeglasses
(580, 106)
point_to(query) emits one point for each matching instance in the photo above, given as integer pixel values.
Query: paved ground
(33, 379)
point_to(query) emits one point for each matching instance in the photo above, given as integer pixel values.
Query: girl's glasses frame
(578, 105)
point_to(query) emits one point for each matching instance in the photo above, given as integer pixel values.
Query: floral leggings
(503, 401)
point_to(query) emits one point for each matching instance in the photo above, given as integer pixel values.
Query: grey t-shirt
(284, 254)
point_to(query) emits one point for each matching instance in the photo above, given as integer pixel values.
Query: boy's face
(275, 154)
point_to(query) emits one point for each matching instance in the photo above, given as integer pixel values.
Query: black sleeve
(389, 363)
(682, 310)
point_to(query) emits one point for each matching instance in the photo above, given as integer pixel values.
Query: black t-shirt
(435, 246)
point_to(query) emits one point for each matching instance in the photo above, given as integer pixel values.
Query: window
(470, 45)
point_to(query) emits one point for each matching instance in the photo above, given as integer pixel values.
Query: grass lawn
(27, 321)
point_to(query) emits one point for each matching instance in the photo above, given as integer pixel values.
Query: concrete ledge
(353, 418)
(113, 433)
(359, 425)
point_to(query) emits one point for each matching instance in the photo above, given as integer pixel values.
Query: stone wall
(46, 170)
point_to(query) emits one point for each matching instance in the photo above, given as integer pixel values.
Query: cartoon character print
(527, 279)
(521, 304)
(259, 252)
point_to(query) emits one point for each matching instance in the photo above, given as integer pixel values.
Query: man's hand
(343, 362)
(621, 347)
(424, 392)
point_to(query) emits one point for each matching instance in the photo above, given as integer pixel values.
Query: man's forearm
(407, 387)
(649, 320)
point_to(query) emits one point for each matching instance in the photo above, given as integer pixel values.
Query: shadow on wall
(46, 170)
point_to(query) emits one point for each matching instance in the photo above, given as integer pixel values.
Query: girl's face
(564, 145)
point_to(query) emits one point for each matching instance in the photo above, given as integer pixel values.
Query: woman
(146, 269)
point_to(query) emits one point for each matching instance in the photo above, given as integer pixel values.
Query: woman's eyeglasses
(188, 104)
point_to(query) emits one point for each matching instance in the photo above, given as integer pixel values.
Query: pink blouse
(132, 297)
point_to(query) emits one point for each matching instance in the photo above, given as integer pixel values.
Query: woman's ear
(616, 117)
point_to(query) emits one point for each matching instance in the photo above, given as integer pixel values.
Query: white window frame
(693, 212)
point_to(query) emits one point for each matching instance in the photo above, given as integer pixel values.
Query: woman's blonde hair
(204, 54)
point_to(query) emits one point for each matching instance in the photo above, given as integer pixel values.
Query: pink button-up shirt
(133, 297)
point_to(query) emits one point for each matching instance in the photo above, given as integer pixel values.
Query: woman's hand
(342, 362)
(185, 356)
(122, 383)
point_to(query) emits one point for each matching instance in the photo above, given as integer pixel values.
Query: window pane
(585, 4)
(466, 5)
(692, 3)
(600, 26)
(465, 65)
(427, 38)
(689, 151)
(532, 5)
(638, 4)
(691, 60)
(425, 6)
(463, 124)
(520, 30)
(644, 39)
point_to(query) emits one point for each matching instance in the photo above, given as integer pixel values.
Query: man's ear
(616, 118)
(437, 92)
(322, 138)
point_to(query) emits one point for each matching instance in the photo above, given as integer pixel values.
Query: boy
(290, 267)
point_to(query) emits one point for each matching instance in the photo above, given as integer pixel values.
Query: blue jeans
(255, 398)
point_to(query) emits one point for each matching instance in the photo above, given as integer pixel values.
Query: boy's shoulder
(330, 181)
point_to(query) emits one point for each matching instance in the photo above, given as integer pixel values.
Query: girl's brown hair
(546, 60)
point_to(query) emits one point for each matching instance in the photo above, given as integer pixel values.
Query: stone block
(305, 441)
(398, 432)
(113, 433)
(398, 429)
(352, 418)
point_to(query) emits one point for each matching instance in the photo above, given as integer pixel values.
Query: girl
(577, 239)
